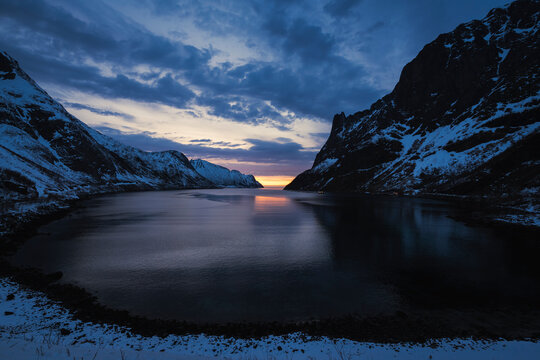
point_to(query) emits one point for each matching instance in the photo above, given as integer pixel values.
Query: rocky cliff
(463, 119)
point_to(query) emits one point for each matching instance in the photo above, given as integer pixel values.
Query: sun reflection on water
(270, 203)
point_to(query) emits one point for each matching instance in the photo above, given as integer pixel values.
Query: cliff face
(463, 118)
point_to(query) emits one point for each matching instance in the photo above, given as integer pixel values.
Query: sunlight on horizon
(275, 180)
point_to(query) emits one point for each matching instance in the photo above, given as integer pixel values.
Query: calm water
(243, 254)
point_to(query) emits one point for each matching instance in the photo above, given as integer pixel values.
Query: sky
(248, 84)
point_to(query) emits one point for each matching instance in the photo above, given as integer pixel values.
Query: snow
(520, 106)
(33, 331)
(324, 165)
(526, 31)
(503, 53)
(521, 219)
(222, 176)
(407, 142)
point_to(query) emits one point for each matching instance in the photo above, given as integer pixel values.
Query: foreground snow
(33, 327)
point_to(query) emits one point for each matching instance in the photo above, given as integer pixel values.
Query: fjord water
(263, 255)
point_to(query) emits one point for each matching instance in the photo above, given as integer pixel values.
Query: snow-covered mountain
(463, 119)
(47, 155)
(222, 176)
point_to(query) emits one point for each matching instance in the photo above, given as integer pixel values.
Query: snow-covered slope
(463, 119)
(47, 155)
(222, 176)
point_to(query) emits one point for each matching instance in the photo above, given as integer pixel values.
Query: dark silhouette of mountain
(462, 120)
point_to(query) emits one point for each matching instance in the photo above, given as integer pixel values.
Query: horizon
(240, 85)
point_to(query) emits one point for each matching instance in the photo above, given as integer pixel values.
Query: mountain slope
(463, 119)
(222, 176)
(47, 155)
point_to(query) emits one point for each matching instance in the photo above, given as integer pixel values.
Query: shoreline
(409, 326)
(37, 327)
(475, 210)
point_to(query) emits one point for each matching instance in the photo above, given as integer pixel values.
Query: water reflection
(270, 203)
(226, 255)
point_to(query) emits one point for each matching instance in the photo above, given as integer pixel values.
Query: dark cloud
(317, 93)
(308, 42)
(88, 78)
(374, 27)
(242, 109)
(339, 8)
(103, 37)
(225, 144)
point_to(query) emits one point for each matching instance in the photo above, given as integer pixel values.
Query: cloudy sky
(249, 84)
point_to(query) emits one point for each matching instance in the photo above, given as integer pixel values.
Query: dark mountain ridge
(462, 120)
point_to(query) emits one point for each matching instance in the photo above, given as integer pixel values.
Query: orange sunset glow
(274, 181)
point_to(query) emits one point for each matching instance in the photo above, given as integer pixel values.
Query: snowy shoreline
(33, 326)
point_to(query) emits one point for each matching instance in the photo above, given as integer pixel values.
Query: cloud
(97, 111)
(101, 34)
(88, 78)
(243, 109)
(100, 52)
(314, 70)
(317, 93)
(340, 8)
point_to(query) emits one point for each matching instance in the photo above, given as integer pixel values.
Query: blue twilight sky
(252, 85)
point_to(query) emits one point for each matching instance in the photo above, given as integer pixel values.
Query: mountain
(222, 176)
(462, 120)
(48, 156)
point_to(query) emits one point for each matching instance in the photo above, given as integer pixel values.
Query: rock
(55, 276)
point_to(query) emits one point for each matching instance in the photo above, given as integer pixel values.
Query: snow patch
(324, 165)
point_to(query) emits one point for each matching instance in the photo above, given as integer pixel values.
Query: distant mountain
(47, 155)
(463, 119)
(222, 176)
